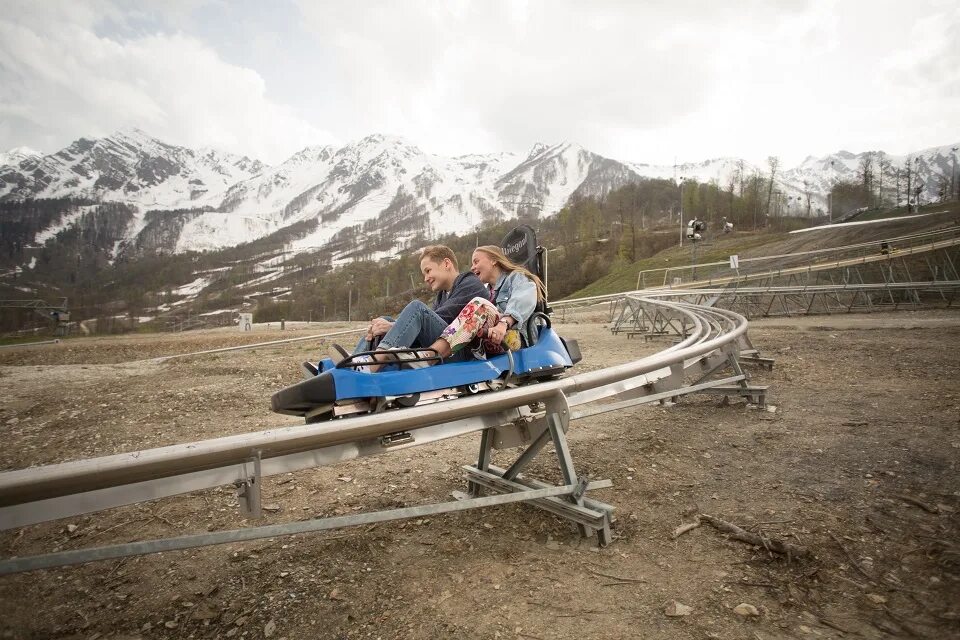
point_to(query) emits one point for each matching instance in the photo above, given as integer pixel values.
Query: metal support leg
(531, 452)
(483, 460)
(567, 471)
(248, 487)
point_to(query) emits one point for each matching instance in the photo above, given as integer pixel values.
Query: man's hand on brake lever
(378, 327)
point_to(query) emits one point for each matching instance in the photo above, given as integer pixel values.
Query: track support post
(483, 460)
(248, 487)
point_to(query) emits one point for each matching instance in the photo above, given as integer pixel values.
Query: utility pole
(920, 185)
(909, 175)
(833, 184)
(680, 188)
(953, 177)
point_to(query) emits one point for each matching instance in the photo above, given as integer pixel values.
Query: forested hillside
(102, 276)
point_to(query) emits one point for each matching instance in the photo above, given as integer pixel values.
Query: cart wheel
(408, 401)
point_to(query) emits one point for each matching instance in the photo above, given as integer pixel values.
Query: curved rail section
(533, 415)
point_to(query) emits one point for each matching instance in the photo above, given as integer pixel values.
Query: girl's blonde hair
(506, 264)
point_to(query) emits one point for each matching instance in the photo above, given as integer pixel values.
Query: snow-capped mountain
(17, 155)
(128, 166)
(386, 183)
(378, 181)
(376, 194)
(933, 167)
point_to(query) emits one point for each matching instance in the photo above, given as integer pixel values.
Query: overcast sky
(650, 81)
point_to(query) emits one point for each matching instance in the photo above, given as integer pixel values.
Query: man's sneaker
(365, 368)
(411, 356)
(309, 370)
(337, 353)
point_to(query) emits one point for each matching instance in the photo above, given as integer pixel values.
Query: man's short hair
(437, 252)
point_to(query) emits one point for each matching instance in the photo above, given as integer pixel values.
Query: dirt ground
(857, 463)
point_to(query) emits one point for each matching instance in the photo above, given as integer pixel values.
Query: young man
(419, 325)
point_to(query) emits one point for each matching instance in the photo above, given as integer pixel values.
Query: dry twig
(770, 544)
(929, 508)
(682, 529)
(833, 625)
(856, 565)
(618, 578)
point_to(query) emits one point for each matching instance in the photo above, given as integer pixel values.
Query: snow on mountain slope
(384, 184)
(551, 174)
(17, 155)
(129, 166)
(374, 180)
(374, 196)
(934, 165)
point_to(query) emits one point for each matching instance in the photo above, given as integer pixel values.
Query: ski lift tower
(694, 233)
(58, 314)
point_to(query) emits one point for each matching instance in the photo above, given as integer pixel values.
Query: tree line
(102, 277)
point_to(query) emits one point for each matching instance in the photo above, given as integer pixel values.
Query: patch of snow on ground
(862, 222)
(265, 278)
(220, 311)
(192, 288)
(33, 262)
(376, 256)
(65, 222)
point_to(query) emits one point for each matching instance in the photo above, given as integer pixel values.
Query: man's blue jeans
(417, 326)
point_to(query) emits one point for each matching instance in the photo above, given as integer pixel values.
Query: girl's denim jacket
(516, 296)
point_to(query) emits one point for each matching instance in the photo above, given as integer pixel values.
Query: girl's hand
(497, 333)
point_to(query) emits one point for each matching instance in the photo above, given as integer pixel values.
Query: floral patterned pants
(469, 329)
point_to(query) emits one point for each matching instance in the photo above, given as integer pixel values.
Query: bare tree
(773, 162)
(730, 186)
(908, 183)
(865, 173)
(883, 164)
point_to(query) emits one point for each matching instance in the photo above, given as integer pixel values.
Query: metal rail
(270, 343)
(904, 242)
(530, 415)
(946, 249)
(41, 483)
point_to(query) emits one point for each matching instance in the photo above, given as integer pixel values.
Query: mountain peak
(131, 134)
(385, 140)
(537, 149)
(17, 155)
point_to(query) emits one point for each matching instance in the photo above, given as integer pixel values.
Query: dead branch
(682, 529)
(850, 558)
(770, 544)
(833, 625)
(929, 508)
(618, 578)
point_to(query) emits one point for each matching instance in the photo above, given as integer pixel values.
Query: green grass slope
(719, 249)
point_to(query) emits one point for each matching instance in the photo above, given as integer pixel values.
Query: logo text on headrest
(515, 247)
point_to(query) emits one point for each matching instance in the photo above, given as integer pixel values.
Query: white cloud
(644, 81)
(63, 81)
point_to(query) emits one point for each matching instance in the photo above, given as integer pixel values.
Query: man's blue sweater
(466, 287)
